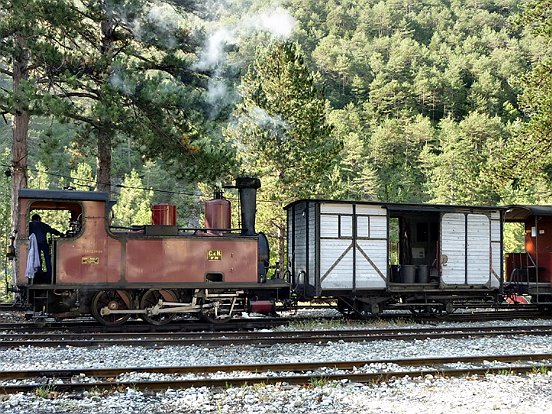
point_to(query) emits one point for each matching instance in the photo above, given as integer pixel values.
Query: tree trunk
(20, 128)
(104, 133)
(103, 162)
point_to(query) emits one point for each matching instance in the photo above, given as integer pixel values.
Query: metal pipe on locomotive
(153, 271)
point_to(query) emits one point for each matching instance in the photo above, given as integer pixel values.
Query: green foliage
(58, 219)
(527, 163)
(134, 202)
(39, 178)
(395, 147)
(82, 177)
(514, 237)
(184, 195)
(353, 176)
(318, 382)
(282, 121)
(457, 168)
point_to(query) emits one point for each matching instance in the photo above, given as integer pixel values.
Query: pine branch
(6, 72)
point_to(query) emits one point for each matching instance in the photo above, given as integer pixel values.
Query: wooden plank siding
(471, 243)
(353, 247)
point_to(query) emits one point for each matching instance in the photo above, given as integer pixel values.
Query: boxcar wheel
(344, 307)
(112, 300)
(150, 299)
(426, 310)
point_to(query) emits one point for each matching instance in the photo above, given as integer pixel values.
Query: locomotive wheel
(211, 318)
(114, 300)
(209, 315)
(150, 299)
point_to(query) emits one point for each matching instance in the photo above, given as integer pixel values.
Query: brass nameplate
(214, 255)
(91, 260)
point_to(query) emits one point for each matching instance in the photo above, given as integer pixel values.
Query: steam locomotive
(153, 271)
(366, 257)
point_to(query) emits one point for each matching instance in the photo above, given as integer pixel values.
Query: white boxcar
(336, 247)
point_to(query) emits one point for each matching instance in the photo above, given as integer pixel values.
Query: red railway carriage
(155, 271)
(529, 271)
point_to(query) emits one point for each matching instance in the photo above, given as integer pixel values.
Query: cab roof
(521, 213)
(66, 195)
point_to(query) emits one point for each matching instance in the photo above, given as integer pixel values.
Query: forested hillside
(398, 100)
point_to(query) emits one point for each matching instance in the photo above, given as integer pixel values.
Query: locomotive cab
(77, 214)
(64, 211)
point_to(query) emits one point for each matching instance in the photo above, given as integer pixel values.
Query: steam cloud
(278, 22)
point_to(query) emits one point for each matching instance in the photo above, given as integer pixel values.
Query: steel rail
(268, 338)
(280, 334)
(274, 367)
(302, 379)
(88, 324)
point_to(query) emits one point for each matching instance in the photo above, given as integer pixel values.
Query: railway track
(71, 380)
(89, 325)
(259, 337)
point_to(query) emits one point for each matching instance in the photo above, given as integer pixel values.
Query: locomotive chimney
(247, 187)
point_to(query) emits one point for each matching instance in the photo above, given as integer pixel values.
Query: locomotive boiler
(154, 271)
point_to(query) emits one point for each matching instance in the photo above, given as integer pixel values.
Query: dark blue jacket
(40, 231)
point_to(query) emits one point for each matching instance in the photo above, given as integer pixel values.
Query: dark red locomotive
(155, 271)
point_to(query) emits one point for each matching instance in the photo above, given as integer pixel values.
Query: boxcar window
(329, 226)
(346, 226)
(363, 226)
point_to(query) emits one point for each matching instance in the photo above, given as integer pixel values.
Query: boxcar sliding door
(466, 249)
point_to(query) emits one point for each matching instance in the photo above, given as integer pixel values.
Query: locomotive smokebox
(247, 186)
(218, 216)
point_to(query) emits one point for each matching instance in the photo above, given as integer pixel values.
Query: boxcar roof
(63, 195)
(401, 206)
(521, 213)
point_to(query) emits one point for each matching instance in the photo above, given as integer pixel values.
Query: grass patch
(47, 391)
(317, 382)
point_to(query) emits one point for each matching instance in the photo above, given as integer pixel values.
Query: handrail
(529, 263)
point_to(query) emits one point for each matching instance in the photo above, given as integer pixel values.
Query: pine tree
(27, 30)
(134, 202)
(83, 177)
(129, 72)
(283, 132)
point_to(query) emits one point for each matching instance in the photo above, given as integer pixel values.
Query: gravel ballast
(499, 393)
